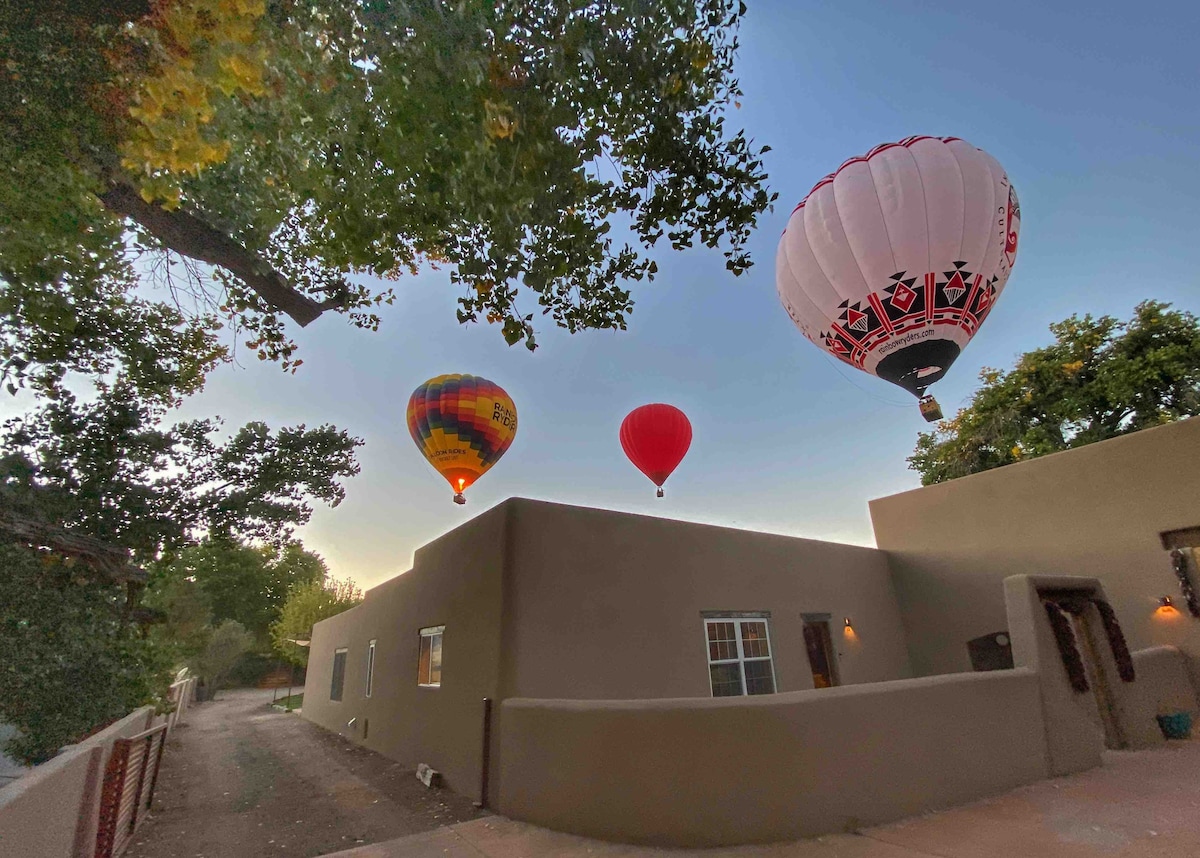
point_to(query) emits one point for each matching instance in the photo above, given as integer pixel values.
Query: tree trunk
(189, 236)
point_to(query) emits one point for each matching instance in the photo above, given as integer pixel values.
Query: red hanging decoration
(1116, 640)
(656, 438)
(1065, 638)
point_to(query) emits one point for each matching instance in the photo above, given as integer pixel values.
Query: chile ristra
(893, 262)
(462, 424)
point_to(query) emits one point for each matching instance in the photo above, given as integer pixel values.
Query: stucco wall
(40, 814)
(1163, 686)
(1096, 511)
(1074, 733)
(705, 772)
(455, 581)
(608, 605)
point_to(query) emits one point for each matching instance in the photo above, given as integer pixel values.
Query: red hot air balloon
(656, 438)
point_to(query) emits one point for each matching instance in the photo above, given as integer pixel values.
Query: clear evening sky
(1090, 107)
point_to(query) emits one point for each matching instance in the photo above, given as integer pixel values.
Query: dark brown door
(820, 653)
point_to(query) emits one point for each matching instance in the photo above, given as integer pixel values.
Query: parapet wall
(1163, 686)
(714, 772)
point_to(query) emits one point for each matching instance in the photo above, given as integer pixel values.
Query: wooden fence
(128, 789)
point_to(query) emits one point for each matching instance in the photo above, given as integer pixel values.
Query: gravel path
(242, 780)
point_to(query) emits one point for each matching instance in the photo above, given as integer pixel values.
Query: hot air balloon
(656, 438)
(893, 262)
(462, 424)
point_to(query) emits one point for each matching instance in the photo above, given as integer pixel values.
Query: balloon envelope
(892, 262)
(656, 438)
(462, 424)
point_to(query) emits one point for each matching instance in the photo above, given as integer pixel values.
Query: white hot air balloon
(892, 262)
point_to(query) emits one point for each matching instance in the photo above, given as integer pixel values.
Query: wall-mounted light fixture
(1167, 607)
(848, 624)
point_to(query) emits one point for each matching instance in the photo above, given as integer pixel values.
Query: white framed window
(338, 683)
(739, 656)
(370, 667)
(429, 664)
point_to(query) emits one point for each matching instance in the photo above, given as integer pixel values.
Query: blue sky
(1092, 110)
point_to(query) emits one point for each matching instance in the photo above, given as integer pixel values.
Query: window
(739, 656)
(370, 667)
(429, 667)
(339, 674)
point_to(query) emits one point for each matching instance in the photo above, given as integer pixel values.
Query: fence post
(141, 781)
(158, 755)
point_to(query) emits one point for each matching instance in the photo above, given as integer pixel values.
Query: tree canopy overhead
(1100, 378)
(294, 144)
(113, 470)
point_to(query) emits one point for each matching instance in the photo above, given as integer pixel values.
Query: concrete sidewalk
(1140, 803)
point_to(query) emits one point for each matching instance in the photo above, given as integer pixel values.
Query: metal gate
(128, 789)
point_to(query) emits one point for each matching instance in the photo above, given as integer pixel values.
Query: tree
(307, 604)
(229, 642)
(243, 582)
(69, 660)
(185, 614)
(1099, 379)
(111, 469)
(261, 156)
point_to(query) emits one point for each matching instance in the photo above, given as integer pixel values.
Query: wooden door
(819, 644)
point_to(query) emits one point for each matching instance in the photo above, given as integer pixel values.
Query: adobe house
(661, 682)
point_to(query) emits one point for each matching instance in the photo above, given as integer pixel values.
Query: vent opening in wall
(991, 652)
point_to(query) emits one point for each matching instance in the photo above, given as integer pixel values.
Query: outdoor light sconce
(850, 627)
(1166, 606)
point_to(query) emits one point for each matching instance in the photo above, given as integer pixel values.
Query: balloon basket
(930, 410)
(660, 492)
(460, 499)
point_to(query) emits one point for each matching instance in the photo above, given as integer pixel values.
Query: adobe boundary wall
(725, 771)
(1163, 686)
(53, 810)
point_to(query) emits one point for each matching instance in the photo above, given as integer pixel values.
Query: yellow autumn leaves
(202, 50)
(500, 120)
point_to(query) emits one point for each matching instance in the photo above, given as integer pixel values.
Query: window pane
(726, 680)
(423, 662)
(721, 632)
(435, 660)
(722, 641)
(754, 640)
(758, 677)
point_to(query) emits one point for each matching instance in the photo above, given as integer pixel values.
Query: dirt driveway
(242, 780)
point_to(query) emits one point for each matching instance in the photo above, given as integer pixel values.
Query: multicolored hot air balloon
(892, 262)
(656, 438)
(462, 424)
